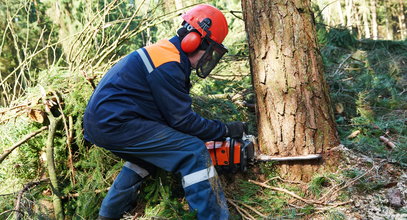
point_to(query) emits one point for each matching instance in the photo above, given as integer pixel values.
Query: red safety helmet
(207, 28)
(218, 27)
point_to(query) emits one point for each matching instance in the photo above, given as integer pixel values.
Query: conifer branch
(22, 141)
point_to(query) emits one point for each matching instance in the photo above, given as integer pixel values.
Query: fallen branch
(242, 212)
(20, 195)
(387, 142)
(251, 208)
(283, 180)
(25, 139)
(287, 192)
(11, 210)
(345, 186)
(354, 134)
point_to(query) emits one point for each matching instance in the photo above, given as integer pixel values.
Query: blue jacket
(143, 92)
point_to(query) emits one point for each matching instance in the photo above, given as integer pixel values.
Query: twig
(251, 208)
(14, 107)
(233, 13)
(283, 180)
(241, 211)
(341, 64)
(25, 139)
(387, 142)
(68, 125)
(11, 210)
(354, 134)
(20, 195)
(287, 192)
(346, 185)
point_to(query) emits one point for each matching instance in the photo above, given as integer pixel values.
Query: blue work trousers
(172, 151)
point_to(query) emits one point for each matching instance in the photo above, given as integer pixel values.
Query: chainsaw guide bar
(265, 158)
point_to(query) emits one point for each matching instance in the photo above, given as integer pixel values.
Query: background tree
(294, 116)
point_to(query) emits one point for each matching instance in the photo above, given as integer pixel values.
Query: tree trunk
(387, 20)
(358, 24)
(294, 114)
(366, 26)
(402, 21)
(348, 8)
(340, 13)
(373, 8)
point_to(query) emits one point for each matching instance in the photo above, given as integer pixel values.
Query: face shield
(213, 53)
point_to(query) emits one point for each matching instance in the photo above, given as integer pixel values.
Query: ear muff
(191, 42)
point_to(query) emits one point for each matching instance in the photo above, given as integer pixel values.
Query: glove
(234, 129)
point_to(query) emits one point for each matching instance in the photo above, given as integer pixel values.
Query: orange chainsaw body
(221, 153)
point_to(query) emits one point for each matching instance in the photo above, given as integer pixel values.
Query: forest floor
(381, 193)
(369, 188)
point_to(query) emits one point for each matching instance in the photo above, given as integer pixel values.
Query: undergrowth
(367, 85)
(367, 82)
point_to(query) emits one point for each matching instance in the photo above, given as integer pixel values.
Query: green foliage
(163, 194)
(363, 185)
(367, 80)
(317, 186)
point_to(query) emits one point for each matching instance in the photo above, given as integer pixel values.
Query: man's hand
(235, 129)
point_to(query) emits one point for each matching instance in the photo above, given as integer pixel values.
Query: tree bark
(402, 21)
(387, 20)
(358, 24)
(340, 13)
(364, 8)
(373, 8)
(348, 7)
(293, 106)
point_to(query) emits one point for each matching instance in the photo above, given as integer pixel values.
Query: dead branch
(287, 192)
(20, 195)
(68, 125)
(25, 139)
(330, 195)
(387, 142)
(283, 180)
(242, 212)
(21, 106)
(251, 208)
(11, 210)
(354, 134)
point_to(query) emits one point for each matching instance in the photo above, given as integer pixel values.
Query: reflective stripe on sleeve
(140, 171)
(145, 60)
(198, 176)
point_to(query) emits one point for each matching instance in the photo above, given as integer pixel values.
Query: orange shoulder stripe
(163, 52)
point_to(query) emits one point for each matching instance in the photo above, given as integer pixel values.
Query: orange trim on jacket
(163, 52)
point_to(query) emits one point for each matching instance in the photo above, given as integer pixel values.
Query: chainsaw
(233, 155)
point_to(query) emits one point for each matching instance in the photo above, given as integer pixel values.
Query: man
(141, 111)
